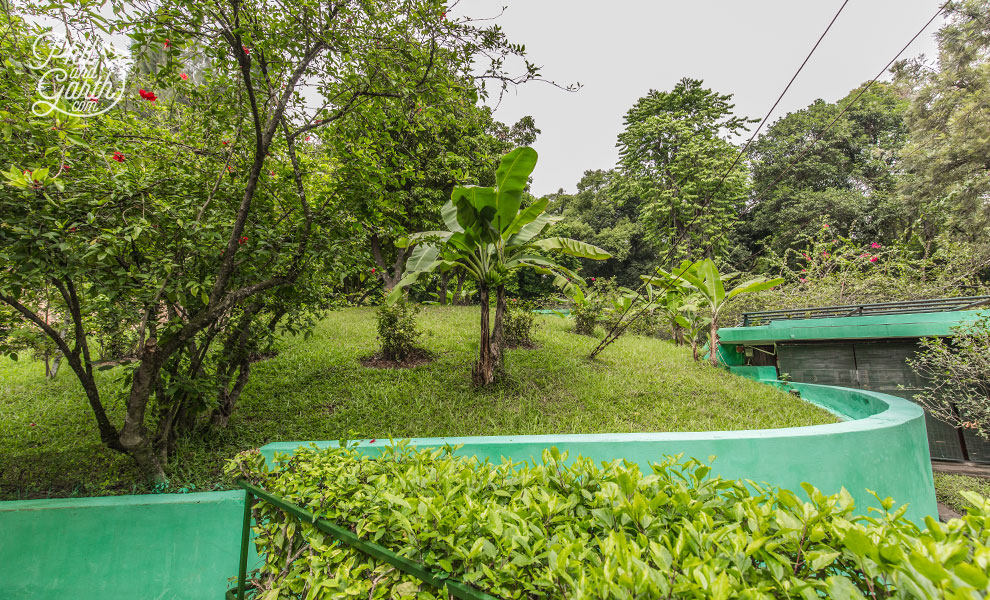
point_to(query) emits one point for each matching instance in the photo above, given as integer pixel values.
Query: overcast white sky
(621, 49)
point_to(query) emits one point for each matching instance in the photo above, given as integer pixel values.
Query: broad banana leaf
(755, 285)
(510, 180)
(572, 247)
(449, 213)
(528, 215)
(532, 229)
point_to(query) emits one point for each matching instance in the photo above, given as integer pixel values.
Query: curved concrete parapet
(882, 447)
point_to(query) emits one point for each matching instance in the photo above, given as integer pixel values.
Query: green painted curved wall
(185, 546)
(884, 447)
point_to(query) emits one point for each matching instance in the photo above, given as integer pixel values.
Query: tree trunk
(498, 332)
(713, 347)
(694, 348)
(460, 284)
(442, 292)
(390, 274)
(484, 371)
(134, 435)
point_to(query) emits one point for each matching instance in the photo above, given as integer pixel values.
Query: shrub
(586, 531)
(397, 330)
(958, 372)
(518, 323)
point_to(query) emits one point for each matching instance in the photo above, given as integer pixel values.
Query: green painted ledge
(845, 328)
(163, 546)
(884, 447)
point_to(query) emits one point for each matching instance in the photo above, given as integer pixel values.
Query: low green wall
(883, 448)
(181, 546)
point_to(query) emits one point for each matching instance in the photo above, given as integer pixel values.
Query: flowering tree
(200, 216)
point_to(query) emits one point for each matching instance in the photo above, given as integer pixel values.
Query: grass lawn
(948, 486)
(316, 390)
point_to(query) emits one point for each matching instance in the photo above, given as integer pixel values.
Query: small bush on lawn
(397, 330)
(518, 323)
(588, 531)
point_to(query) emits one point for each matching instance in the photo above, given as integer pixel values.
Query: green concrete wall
(162, 546)
(763, 374)
(883, 448)
(876, 327)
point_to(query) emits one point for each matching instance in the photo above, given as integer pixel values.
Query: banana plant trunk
(713, 347)
(498, 332)
(484, 370)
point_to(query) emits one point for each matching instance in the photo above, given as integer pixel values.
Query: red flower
(230, 169)
(72, 229)
(272, 173)
(32, 425)
(94, 99)
(804, 270)
(243, 240)
(149, 96)
(65, 167)
(873, 259)
(825, 253)
(806, 257)
(825, 225)
(246, 50)
(168, 43)
(118, 156)
(225, 142)
(183, 76)
(874, 245)
(372, 270)
(308, 138)
(592, 278)
(373, 440)
(803, 280)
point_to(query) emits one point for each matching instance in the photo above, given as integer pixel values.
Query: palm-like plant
(703, 278)
(489, 235)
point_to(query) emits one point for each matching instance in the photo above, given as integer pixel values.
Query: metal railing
(439, 580)
(859, 310)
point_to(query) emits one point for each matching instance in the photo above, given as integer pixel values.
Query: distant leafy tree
(947, 180)
(849, 173)
(605, 211)
(674, 149)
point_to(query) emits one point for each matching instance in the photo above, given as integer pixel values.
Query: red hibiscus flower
(246, 50)
(118, 156)
(149, 96)
(183, 76)
(168, 44)
(243, 240)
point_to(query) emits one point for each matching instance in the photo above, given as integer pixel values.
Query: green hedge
(589, 531)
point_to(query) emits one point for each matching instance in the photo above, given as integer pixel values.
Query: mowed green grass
(316, 389)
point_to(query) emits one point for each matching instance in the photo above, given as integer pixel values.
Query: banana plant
(490, 236)
(703, 278)
(692, 322)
